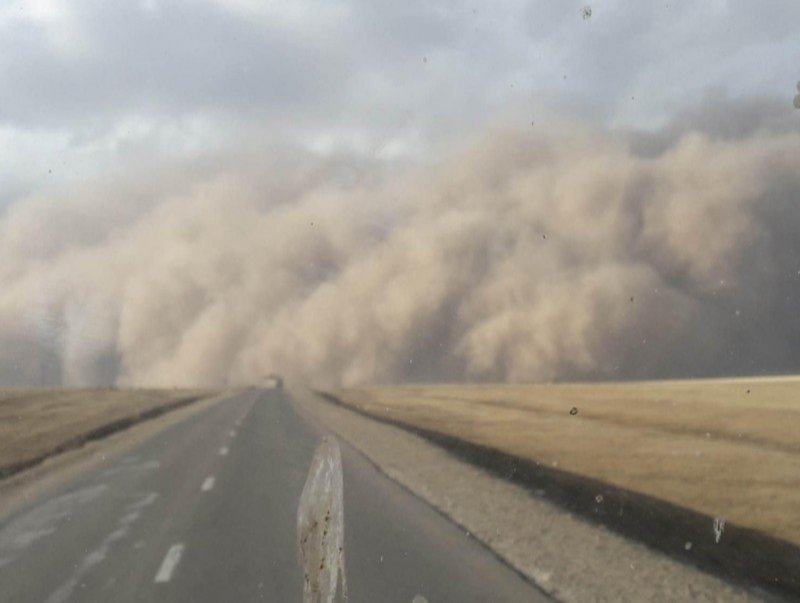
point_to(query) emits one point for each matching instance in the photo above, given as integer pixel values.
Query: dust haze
(553, 252)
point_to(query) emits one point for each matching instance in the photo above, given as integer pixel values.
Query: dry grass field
(38, 423)
(726, 448)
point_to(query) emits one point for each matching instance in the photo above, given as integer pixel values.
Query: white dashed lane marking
(171, 561)
(64, 592)
(207, 484)
(223, 451)
(232, 433)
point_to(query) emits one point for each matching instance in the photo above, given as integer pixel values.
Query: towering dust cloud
(554, 253)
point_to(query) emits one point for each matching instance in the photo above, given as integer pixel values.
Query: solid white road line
(171, 560)
(207, 484)
(223, 451)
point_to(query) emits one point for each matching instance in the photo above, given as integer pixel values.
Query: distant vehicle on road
(274, 381)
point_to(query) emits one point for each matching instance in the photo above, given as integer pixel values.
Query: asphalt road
(205, 510)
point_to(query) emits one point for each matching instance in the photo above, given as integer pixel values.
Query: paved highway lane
(205, 511)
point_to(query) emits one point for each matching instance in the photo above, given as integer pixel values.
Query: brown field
(726, 448)
(39, 423)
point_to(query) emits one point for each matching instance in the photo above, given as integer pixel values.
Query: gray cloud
(320, 64)
(180, 57)
(88, 88)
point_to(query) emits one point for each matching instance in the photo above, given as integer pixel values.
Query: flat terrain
(38, 423)
(725, 448)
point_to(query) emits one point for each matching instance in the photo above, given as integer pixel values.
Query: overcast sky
(88, 86)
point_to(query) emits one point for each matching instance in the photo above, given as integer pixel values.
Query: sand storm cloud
(559, 252)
